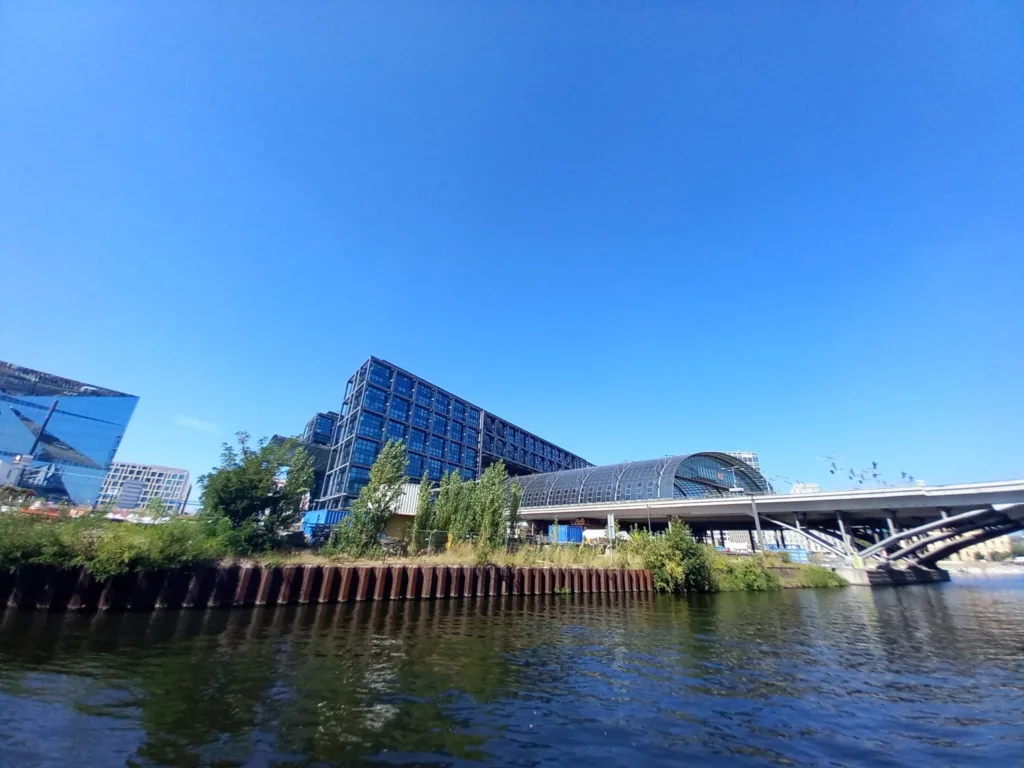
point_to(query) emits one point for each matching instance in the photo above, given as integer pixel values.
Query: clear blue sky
(635, 228)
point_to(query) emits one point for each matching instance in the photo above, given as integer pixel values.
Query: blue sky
(635, 228)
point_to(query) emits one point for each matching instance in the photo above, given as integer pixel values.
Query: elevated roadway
(877, 526)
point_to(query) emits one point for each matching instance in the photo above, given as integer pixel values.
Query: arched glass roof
(692, 476)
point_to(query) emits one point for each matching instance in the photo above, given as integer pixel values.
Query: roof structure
(695, 475)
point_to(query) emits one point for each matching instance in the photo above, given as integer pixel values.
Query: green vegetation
(378, 500)
(102, 547)
(814, 576)
(680, 564)
(256, 494)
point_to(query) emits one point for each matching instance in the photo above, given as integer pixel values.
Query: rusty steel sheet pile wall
(45, 588)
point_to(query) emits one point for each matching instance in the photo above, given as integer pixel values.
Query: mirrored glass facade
(694, 476)
(442, 432)
(70, 429)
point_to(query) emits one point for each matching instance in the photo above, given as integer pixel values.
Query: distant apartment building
(58, 436)
(747, 457)
(131, 486)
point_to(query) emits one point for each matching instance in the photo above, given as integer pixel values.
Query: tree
(155, 508)
(423, 523)
(492, 506)
(377, 502)
(257, 492)
(515, 499)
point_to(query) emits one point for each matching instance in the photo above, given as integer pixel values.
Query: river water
(929, 676)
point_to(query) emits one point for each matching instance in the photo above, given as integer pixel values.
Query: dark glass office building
(693, 476)
(442, 433)
(70, 431)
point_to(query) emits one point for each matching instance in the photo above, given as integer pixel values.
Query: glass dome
(691, 476)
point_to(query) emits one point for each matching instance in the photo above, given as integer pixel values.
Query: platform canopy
(690, 476)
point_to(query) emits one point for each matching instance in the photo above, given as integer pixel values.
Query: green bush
(742, 574)
(816, 576)
(102, 547)
(677, 561)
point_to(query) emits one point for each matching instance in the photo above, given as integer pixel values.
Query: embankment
(46, 588)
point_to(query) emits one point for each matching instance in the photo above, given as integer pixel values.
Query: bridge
(880, 528)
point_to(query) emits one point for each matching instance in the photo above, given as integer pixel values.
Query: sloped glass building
(442, 433)
(61, 432)
(692, 476)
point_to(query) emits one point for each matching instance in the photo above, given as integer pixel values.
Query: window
(396, 431)
(421, 417)
(469, 457)
(434, 469)
(403, 384)
(459, 410)
(424, 395)
(472, 436)
(468, 474)
(442, 403)
(440, 424)
(371, 426)
(473, 415)
(375, 400)
(381, 374)
(357, 478)
(454, 452)
(417, 440)
(456, 432)
(365, 451)
(399, 409)
(414, 468)
(436, 447)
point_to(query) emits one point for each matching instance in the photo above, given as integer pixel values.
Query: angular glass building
(63, 431)
(442, 433)
(693, 476)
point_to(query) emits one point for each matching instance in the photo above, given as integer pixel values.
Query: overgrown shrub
(816, 576)
(102, 547)
(742, 574)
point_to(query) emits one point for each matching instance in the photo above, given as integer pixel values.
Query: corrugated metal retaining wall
(51, 589)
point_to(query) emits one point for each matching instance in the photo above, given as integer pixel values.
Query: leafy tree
(377, 502)
(155, 508)
(424, 520)
(256, 493)
(515, 499)
(491, 505)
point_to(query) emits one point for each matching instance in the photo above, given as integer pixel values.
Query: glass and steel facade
(693, 476)
(442, 433)
(71, 431)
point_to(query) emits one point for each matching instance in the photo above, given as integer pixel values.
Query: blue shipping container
(567, 534)
(321, 517)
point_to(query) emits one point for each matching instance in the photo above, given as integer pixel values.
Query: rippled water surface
(929, 676)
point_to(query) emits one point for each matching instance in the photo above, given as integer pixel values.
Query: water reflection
(910, 676)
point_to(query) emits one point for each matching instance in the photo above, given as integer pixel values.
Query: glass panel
(456, 432)
(442, 403)
(454, 453)
(434, 468)
(421, 417)
(396, 431)
(472, 436)
(436, 446)
(417, 440)
(381, 374)
(371, 425)
(459, 410)
(375, 400)
(414, 468)
(365, 451)
(399, 409)
(403, 384)
(424, 395)
(440, 424)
